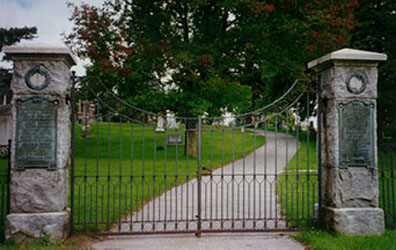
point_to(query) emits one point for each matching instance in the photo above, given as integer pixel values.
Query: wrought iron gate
(4, 185)
(387, 181)
(138, 172)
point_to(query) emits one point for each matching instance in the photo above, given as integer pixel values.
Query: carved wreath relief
(37, 78)
(356, 82)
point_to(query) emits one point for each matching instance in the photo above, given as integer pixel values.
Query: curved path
(225, 199)
(239, 196)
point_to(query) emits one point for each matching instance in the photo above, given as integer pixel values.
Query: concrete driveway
(234, 241)
(239, 196)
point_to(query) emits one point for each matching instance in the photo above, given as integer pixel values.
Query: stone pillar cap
(40, 51)
(347, 55)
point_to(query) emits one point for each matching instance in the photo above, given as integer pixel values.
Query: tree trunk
(190, 138)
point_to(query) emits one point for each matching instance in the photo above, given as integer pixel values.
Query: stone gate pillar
(40, 142)
(348, 93)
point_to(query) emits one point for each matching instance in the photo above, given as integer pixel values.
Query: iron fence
(4, 188)
(387, 179)
(138, 172)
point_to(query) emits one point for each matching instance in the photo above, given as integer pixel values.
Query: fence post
(198, 234)
(72, 152)
(40, 142)
(348, 155)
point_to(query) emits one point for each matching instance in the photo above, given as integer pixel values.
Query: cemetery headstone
(174, 139)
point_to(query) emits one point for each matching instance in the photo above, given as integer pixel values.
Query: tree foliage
(14, 35)
(202, 56)
(376, 32)
(9, 37)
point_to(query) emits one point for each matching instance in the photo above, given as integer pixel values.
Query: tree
(9, 37)
(14, 35)
(206, 56)
(376, 32)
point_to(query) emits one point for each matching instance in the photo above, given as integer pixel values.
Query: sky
(51, 17)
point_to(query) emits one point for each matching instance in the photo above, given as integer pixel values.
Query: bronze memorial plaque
(356, 133)
(36, 132)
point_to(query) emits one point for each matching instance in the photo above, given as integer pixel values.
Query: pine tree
(14, 35)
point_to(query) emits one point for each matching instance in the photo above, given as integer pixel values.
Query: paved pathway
(235, 241)
(227, 203)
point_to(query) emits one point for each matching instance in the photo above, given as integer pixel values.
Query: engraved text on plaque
(356, 133)
(36, 132)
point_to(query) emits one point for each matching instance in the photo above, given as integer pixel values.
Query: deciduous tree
(376, 31)
(206, 56)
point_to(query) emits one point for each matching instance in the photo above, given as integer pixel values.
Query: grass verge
(297, 186)
(44, 243)
(322, 240)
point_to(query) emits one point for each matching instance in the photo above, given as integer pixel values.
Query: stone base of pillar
(355, 221)
(25, 227)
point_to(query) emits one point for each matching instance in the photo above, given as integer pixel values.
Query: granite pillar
(348, 93)
(41, 140)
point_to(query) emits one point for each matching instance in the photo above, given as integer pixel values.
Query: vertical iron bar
(198, 233)
(393, 191)
(131, 209)
(265, 173)
(382, 173)
(287, 169)
(166, 186)
(176, 180)
(297, 169)
(276, 172)
(9, 179)
(120, 177)
(137, 202)
(222, 181)
(187, 187)
(211, 179)
(85, 110)
(73, 120)
(79, 204)
(143, 177)
(243, 176)
(233, 180)
(108, 170)
(154, 175)
(388, 193)
(125, 200)
(3, 205)
(97, 165)
(102, 203)
(114, 203)
(254, 175)
(90, 204)
(319, 147)
(308, 146)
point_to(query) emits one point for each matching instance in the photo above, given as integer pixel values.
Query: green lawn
(321, 240)
(133, 165)
(387, 182)
(298, 184)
